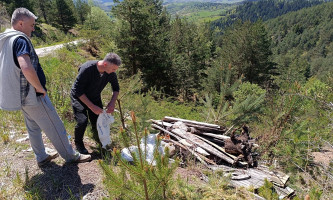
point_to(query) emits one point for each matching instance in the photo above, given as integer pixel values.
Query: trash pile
(208, 142)
(218, 148)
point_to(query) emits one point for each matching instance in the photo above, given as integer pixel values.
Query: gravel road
(41, 52)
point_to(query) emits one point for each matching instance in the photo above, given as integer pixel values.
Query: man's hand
(41, 91)
(112, 104)
(110, 108)
(97, 110)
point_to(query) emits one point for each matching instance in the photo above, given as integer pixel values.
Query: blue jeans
(43, 116)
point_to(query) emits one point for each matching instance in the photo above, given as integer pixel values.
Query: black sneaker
(81, 149)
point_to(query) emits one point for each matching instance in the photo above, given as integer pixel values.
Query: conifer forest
(266, 64)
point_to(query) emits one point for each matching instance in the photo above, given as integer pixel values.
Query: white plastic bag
(150, 147)
(104, 121)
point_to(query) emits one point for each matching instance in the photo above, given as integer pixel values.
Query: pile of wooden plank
(208, 142)
(232, 154)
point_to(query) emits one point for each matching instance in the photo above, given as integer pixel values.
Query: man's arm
(30, 74)
(97, 110)
(111, 105)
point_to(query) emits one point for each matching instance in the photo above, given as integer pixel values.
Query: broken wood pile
(207, 142)
(233, 154)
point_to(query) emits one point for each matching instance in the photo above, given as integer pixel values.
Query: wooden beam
(173, 119)
(188, 149)
(243, 164)
(161, 123)
(165, 131)
(223, 137)
(203, 145)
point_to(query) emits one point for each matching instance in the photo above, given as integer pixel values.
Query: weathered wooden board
(204, 127)
(223, 151)
(162, 123)
(202, 144)
(222, 137)
(174, 119)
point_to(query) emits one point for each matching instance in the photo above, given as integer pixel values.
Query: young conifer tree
(234, 102)
(138, 179)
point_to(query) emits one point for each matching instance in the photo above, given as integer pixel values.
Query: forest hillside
(263, 64)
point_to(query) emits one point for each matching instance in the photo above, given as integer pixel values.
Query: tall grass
(61, 72)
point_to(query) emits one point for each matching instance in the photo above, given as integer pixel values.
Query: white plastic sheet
(104, 121)
(151, 145)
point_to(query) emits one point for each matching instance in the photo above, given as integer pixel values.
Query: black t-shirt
(21, 47)
(91, 83)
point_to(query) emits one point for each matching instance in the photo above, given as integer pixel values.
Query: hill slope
(199, 10)
(264, 9)
(306, 34)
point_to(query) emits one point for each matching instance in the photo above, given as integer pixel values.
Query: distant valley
(173, 5)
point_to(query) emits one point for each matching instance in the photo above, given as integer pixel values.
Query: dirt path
(41, 52)
(324, 157)
(21, 176)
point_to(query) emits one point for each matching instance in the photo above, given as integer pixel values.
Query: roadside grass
(11, 124)
(49, 35)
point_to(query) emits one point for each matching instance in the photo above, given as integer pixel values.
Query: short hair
(21, 14)
(113, 59)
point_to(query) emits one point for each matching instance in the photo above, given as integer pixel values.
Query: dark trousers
(81, 114)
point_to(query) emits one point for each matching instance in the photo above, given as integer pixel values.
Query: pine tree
(132, 29)
(156, 62)
(234, 102)
(83, 9)
(44, 7)
(139, 179)
(65, 16)
(11, 5)
(190, 50)
(142, 34)
(246, 48)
